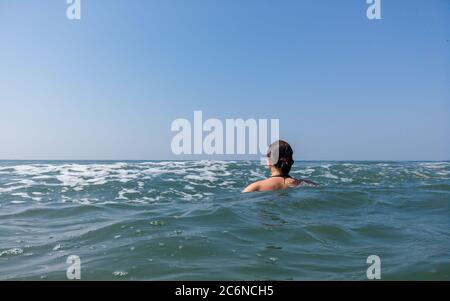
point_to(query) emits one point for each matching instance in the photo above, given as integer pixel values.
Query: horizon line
(217, 159)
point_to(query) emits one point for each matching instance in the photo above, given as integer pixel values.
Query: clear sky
(109, 86)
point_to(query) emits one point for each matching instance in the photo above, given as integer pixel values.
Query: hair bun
(280, 152)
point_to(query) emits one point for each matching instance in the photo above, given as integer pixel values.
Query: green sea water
(189, 221)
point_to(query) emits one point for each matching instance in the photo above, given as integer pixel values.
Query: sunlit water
(189, 221)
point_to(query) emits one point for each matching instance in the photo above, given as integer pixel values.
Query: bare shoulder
(253, 187)
(276, 184)
(263, 185)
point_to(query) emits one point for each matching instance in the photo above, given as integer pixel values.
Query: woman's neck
(276, 172)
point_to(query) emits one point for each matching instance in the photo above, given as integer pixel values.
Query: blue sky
(109, 86)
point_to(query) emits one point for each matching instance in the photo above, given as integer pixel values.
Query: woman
(279, 161)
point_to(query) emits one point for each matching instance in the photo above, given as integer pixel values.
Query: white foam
(21, 194)
(12, 186)
(120, 273)
(330, 176)
(209, 178)
(13, 251)
(84, 201)
(435, 165)
(125, 191)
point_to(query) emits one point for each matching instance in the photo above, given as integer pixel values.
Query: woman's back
(277, 183)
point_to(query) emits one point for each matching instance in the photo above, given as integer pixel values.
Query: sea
(189, 220)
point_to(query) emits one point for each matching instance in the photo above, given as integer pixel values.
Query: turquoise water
(189, 221)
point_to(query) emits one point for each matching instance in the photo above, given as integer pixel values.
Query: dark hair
(280, 152)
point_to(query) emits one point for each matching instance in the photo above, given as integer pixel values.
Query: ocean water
(189, 221)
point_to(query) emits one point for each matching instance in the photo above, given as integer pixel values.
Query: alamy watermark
(73, 272)
(213, 137)
(374, 270)
(374, 10)
(73, 11)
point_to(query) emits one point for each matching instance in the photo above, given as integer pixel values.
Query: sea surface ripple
(188, 220)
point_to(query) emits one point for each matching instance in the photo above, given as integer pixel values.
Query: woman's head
(280, 156)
